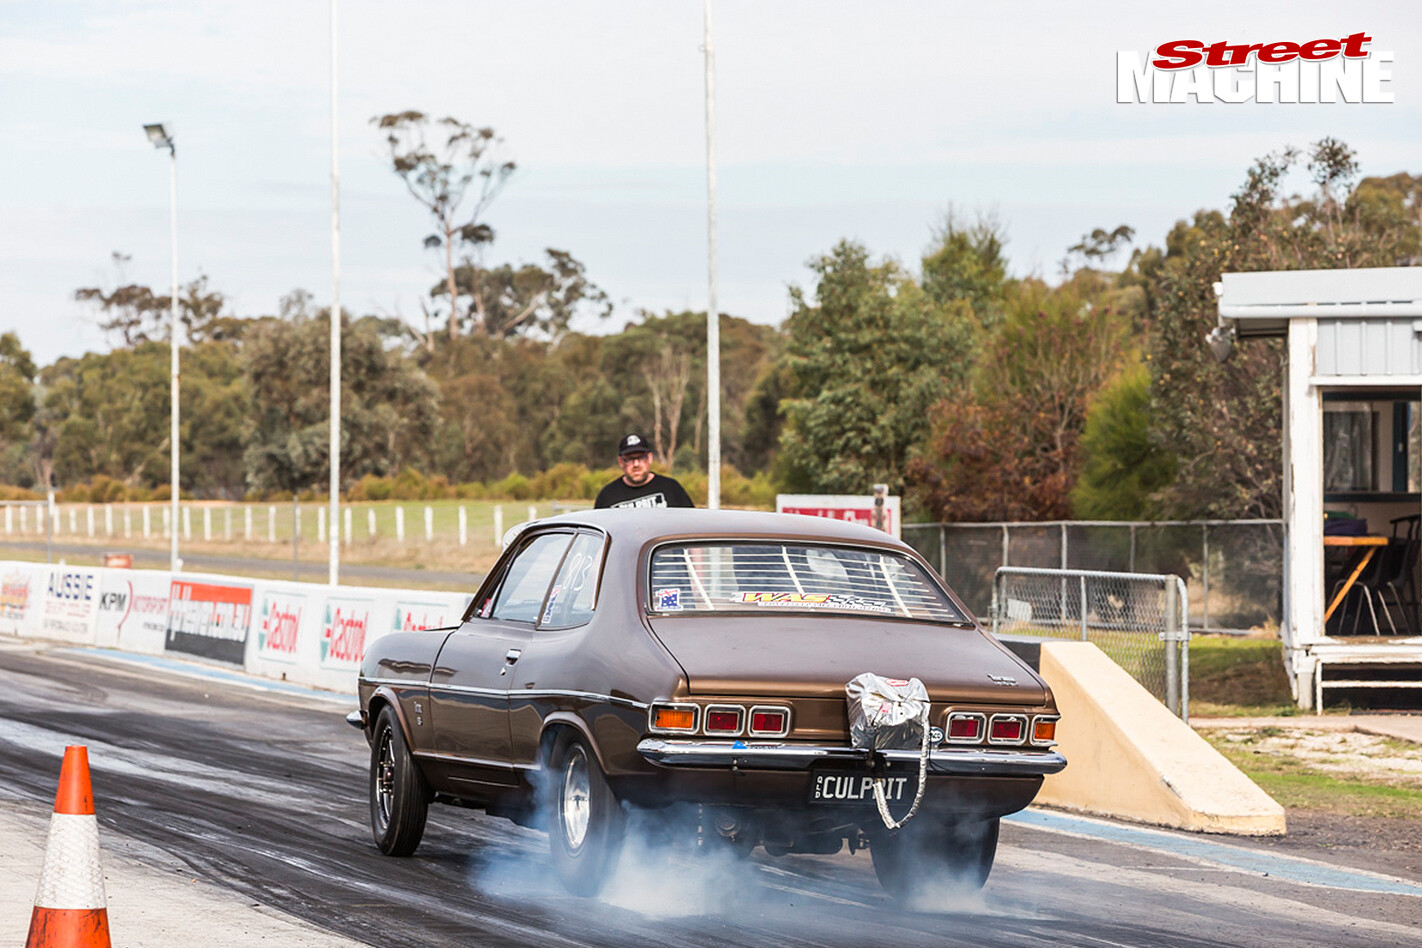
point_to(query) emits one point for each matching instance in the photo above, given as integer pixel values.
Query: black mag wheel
(923, 856)
(399, 795)
(586, 822)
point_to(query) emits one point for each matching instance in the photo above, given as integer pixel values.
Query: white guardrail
(306, 633)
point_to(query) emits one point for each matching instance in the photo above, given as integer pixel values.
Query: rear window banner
(279, 625)
(209, 620)
(814, 601)
(344, 630)
(71, 605)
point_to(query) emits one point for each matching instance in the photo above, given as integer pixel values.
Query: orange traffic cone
(70, 911)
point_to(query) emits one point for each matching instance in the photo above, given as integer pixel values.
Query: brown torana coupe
(693, 663)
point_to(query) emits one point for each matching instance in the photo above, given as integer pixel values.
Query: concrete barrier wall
(308, 633)
(1130, 758)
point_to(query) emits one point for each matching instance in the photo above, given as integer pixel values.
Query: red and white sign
(344, 631)
(209, 620)
(280, 625)
(852, 507)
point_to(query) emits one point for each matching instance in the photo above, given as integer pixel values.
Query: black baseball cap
(633, 444)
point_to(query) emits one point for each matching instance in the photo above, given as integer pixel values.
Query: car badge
(1007, 681)
(935, 735)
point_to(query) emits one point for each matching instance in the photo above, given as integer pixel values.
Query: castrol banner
(344, 632)
(279, 625)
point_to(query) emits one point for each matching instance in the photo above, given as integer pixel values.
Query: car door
(470, 685)
(554, 668)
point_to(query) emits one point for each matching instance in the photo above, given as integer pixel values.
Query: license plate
(856, 788)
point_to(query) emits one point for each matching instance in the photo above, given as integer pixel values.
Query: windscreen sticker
(668, 600)
(552, 598)
(814, 601)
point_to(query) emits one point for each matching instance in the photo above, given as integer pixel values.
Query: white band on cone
(72, 877)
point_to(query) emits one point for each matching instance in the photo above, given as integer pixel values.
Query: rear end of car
(768, 633)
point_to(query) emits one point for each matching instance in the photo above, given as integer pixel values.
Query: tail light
(1007, 729)
(965, 727)
(769, 722)
(725, 719)
(676, 718)
(1044, 730)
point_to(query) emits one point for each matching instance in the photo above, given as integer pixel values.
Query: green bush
(561, 482)
(513, 487)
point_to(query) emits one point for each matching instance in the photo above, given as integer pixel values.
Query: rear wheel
(924, 855)
(399, 795)
(586, 822)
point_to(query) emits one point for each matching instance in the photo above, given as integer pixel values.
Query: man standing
(638, 486)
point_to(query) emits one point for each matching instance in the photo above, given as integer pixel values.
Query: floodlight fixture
(159, 137)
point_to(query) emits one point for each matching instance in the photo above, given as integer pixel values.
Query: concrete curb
(1400, 727)
(1129, 758)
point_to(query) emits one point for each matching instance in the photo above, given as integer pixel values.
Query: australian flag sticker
(668, 600)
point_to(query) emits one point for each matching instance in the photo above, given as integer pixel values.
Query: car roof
(643, 525)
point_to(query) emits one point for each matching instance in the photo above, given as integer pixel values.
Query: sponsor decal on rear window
(814, 601)
(552, 598)
(668, 600)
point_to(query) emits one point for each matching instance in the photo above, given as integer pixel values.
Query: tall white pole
(174, 563)
(713, 318)
(335, 486)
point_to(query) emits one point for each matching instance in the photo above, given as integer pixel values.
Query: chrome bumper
(762, 755)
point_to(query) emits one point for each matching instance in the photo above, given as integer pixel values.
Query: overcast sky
(862, 120)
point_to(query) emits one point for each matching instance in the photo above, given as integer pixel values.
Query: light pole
(334, 531)
(161, 138)
(713, 318)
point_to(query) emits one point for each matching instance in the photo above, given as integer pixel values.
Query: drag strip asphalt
(262, 789)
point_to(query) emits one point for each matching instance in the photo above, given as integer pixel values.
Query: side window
(570, 602)
(526, 581)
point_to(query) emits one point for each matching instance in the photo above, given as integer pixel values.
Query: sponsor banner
(14, 595)
(133, 610)
(279, 625)
(413, 616)
(71, 604)
(209, 620)
(344, 630)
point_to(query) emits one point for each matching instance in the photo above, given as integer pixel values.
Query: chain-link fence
(1233, 569)
(1138, 619)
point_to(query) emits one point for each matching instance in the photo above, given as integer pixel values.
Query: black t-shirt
(660, 491)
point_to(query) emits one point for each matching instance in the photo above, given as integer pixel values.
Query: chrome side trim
(762, 755)
(500, 692)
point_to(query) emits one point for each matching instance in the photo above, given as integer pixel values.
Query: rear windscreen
(796, 577)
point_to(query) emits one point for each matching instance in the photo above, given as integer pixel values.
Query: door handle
(510, 657)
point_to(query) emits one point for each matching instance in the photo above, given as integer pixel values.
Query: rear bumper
(762, 755)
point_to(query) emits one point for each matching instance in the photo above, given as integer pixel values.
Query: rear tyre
(924, 855)
(399, 795)
(586, 822)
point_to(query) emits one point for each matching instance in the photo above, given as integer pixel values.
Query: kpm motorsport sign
(1241, 69)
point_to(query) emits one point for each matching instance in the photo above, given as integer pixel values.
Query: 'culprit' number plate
(848, 788)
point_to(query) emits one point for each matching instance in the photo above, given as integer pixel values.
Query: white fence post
(370, 519)
(271, 523)
(207, 524)
(187, 523)
(109, 519)
(498, 524)
(247, 524)
(429, 524)
(9, 519)
(227, 524)
(127, 522)
(167, 521)
(320, 524)
(73, 520)
(399, 524)
(463, 526)
(147, 522)
(348, 526)
(532, 512)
